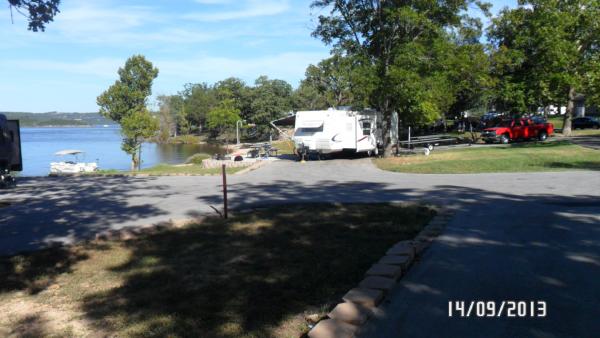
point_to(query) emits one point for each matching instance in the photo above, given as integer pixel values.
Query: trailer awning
(310, 124)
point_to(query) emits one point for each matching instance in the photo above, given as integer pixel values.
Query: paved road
(591, 141)
(46, 209)
(531, 236)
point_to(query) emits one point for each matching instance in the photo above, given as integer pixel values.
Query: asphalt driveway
(49, 209)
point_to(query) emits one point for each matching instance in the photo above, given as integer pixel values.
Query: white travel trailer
(335, 130)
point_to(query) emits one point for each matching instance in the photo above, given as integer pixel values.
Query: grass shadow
(581, 165)
(251, 276)
(34, 272)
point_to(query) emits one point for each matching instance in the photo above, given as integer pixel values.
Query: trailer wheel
(426, 151)
(430, 147)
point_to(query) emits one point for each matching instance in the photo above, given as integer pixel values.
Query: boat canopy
(68, 152)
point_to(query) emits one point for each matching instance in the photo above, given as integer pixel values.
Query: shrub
(197, 158)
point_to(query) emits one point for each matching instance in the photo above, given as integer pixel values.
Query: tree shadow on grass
(31, 326)
(245, 276)
(35, 271)
(579, 165)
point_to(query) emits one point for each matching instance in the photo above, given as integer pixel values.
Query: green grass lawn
(557, 121)
(190, 169)
(285, 147)
(257, 274)
(549, 156)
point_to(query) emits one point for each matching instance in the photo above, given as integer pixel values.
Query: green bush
(197, 158)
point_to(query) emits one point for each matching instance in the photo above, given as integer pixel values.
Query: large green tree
(170, 112)
(271, 99)
(125, 102)
(137, 127)
(236, 90)
(547, 51)
(223, 117)
(38, 12)
(199, 99)
(308, 97)
(332, 78)
(380, 36)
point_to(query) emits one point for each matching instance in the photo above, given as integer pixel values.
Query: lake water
(101, 144)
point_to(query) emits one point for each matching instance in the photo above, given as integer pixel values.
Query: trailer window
(309, 131)
(366, 128)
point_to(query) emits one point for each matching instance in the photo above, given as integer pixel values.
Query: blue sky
(190, 41)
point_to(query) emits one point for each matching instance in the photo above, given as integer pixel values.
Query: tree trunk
(566, 130)
(139, 164)
(386, 129)
(134, 160)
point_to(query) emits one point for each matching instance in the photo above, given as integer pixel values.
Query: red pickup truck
(511, 130)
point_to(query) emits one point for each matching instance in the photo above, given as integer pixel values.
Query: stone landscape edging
(362, 302)
(246, 168)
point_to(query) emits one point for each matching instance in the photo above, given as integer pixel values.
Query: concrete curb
(360, 303)
(246, 169)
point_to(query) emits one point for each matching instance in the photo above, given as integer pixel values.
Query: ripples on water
(102, 144)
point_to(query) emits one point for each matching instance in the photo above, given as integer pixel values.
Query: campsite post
(224, 192)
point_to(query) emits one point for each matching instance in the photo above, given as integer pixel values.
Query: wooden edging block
(420, 246)
(332, 328)
(351, 313)
(366, 297)
(385, 270)
(403, 261)
(402, 248)
(378, 283)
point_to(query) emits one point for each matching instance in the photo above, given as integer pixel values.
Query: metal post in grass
(224, 191)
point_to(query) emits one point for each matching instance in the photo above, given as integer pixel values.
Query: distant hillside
(55, 119)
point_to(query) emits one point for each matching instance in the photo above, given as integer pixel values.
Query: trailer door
(366, 134)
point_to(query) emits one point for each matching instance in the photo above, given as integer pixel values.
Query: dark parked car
(538, 119)
(586, 122)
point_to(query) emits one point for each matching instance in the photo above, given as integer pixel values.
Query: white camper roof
(310, 124)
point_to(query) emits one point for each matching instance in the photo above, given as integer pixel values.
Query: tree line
(423, 59)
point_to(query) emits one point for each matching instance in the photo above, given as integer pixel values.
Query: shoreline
(109, 126)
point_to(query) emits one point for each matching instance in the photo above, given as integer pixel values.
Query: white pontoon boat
(72, 167)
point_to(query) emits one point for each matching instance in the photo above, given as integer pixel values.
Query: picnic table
(262, 150)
